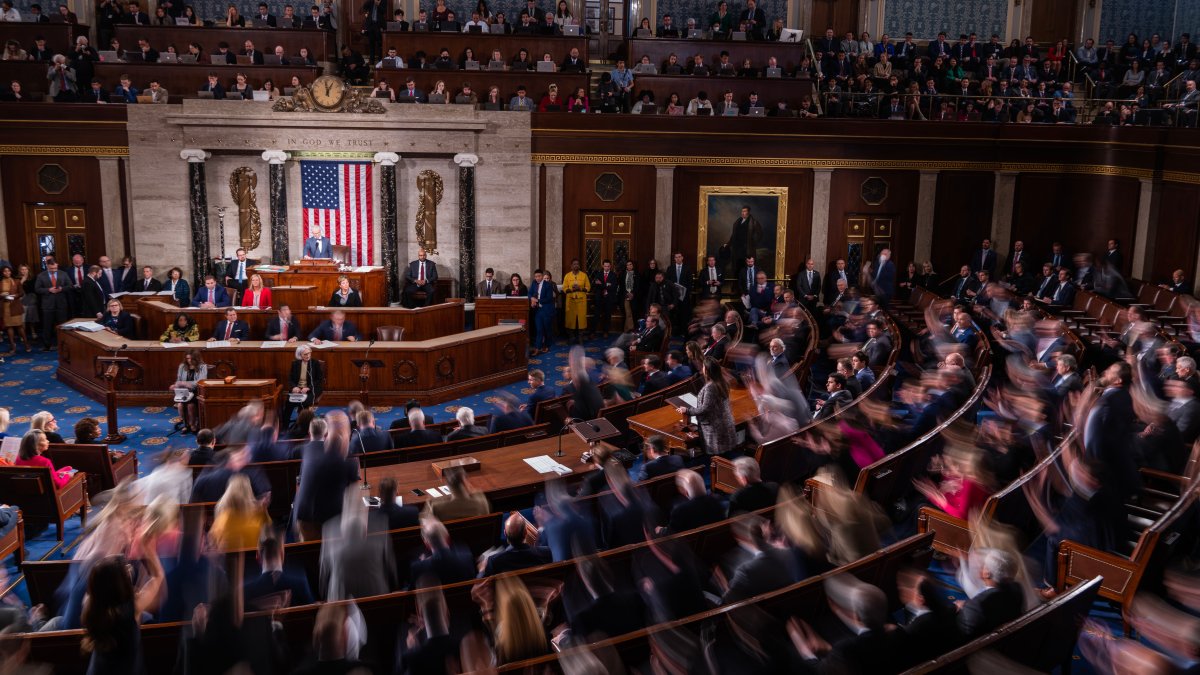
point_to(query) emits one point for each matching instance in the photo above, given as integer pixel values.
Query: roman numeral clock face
(327, 92)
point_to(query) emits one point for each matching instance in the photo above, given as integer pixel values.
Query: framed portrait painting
(736, 222)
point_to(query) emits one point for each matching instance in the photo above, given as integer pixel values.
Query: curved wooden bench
(14, 541)
(32, 489)
(104, 468)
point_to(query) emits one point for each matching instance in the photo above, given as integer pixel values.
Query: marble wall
(926, 19)
(424, 138)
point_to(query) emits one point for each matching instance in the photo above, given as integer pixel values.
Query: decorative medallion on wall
(222, 369)
(609, 187)
(444, 367)
(404, 372)
(874, 191)
(328, 93)
(508, 353)
(53, 179)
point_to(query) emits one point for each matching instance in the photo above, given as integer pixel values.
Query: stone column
(466, 162)
(4, 252)
(554, 218)
(926, 206)
(109, 175)
(664, 211)
(1003, 196)
(198, 200)
(279, 206)
(822, 179)
(1144, 235)
(387, 204)
(535, 202)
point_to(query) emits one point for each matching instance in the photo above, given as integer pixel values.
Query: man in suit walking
(422, 277)
(1107, 439)
(541, 299)
(231, 328)
(807, 284)
(317, 245)
(1000, 602)
(885, 277)
(680, 274)
(606, 286)
(51, 287)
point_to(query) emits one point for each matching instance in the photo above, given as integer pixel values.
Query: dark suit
(316, 383)
(1186, 416)
(395, 517)
(885, 281)
(370, 440)
(483, 290)
(1107, 438)
(877, 349)
(660, 466)
(515, 557)
(122, 324)
(839, 398)
(831, 284)
(269, 19)
(274, 326)
(779, 365)
(143, 285)
(413, 277)
(415, 437)
(269, 583)
(765, 572)
(683, 277)
(804, 288)
(473, 431)
(219, 295)
(311, 245)
(962, 285)
(990, 609)
(325, 331)
(608, 296)
(93, 298)
(704, 288)
(696, 512)
(544, 313)
(651, 339)
(753, 497)
(323, 480)
(445, 565)
(224, 331)
(508, 421)
(1064, 295)
(655, 381)
(717, 349)
(984, 259)
(352, 299)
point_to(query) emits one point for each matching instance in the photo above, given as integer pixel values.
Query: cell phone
(418, 492)
(371, 502)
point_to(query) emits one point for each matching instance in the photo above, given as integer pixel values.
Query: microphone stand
(565, 428)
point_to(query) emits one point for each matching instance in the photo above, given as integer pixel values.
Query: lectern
(220, 400)
(112, 370)
(364, 373)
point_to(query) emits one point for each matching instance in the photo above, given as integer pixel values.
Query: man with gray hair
(1000, 602)
(466, 425)
(753, 494)
(417, 433)
(698, 508)
(863, 609)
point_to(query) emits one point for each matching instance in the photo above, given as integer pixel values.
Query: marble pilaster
(387, 206)
(110, 199)
(4, 252)
(1003, 197)
(664, 211)
(1144, 234)
(466, 223)
(822, 179)
(554, 216)
(926, 205)
(278, 201)
(198, 201)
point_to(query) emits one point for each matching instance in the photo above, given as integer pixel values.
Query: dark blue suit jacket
(431, 276)
(546, 299)
(762, 300)
(310, 247)
(220, 297)
(542, 393)
(241, 330)
(680, 373)
(513, 420)
(325, 330)
(285, 580)
(885, 281)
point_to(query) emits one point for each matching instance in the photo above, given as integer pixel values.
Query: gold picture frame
(720, 212)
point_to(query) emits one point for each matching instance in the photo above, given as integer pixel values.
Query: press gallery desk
(430, 371)
(424, 323)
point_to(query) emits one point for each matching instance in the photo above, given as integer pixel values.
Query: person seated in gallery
(284, 326)
(306, 377)
(345, 296)
(117, 320)
(211, 295)
(214, 87)
(336, 329)
(317, 244)
(489, 285)
(422, 278)
(231, 328)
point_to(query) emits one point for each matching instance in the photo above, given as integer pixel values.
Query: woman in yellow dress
(12, 308)
(577, 286)
(239, 517)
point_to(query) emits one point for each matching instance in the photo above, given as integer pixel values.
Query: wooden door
(866, 236)
(58, 230)
(606, 236)
(840, 15)
(1053, 20)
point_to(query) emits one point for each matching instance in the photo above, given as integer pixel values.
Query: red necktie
(283, 329)
(421, 275)
(79, 276)
(210, 297)
(228, 329)
(53, 280)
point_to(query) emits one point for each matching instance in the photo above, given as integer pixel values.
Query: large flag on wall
(337, 196)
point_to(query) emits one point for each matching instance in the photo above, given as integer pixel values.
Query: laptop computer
(493, 106)
(546, 67)
(233, 96)
(135, 57)
(570, 30)
(168, 57)
(695, 34)
(791, 35)
(288, 91)
(187, 58)
(182, 21)
(217, 59)
(461, 98)
(260, 23)
(145, 99)
(471, 65)
(731, 111)
(704, 112)
(774, 72)
(262, 95)
(108, 56)
(272, 60)
(643, 33)
(437, 98)
(379, 94)
(405, 98)
(474, 29)
(117, 98)
(495, 65)
(244, 60)
(738, 35)
(395, 26)
(204, 94)
(420, 27)
(649, 109)
(756, 111)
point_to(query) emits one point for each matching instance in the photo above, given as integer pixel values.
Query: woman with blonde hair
(256, 294)
(44, 421)
(239, 517)
(518, 632)
(4, 422)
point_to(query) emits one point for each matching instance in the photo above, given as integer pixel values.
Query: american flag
(337, 196)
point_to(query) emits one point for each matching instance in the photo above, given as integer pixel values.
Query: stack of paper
(87, 326)
(546, 464)
(323, 344)
(273, 344)
(219, 343)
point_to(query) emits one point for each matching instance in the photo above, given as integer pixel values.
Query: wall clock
(327, 92)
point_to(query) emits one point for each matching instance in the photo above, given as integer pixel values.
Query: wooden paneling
(579, 195)
(1174, 232)
(181, 80)
(83, 190)
(1054, 20)
(788, 55)
(799, 183)
(480, 80)
(769, 91)
(845, 199)
(962, 217)
(78, 127)
(1082, 212)
(321, 44)
(840, 15)
(59, 36)
(408, 44)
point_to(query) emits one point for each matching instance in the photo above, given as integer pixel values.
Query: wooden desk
(430, 371)
(60, 37)
(769, 90)
(321, 43)
(537, 84)
(220, 402)
(489, 312)
(182, 79)
(424, 323)
(372, 286)
(667, 423)
(131, 302)
(503, 473)
(789, 55)
(408, 44)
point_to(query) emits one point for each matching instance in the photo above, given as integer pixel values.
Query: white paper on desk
(364, 268)
(117, 294)
(87, 326)
(433, 492)
(546, 464)
(164, 293)
(323, 344)
(176, 345)
(9, 447)
(690, 400)
(273, 344)
(219, 343)
(501, 296)
(144, 293)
